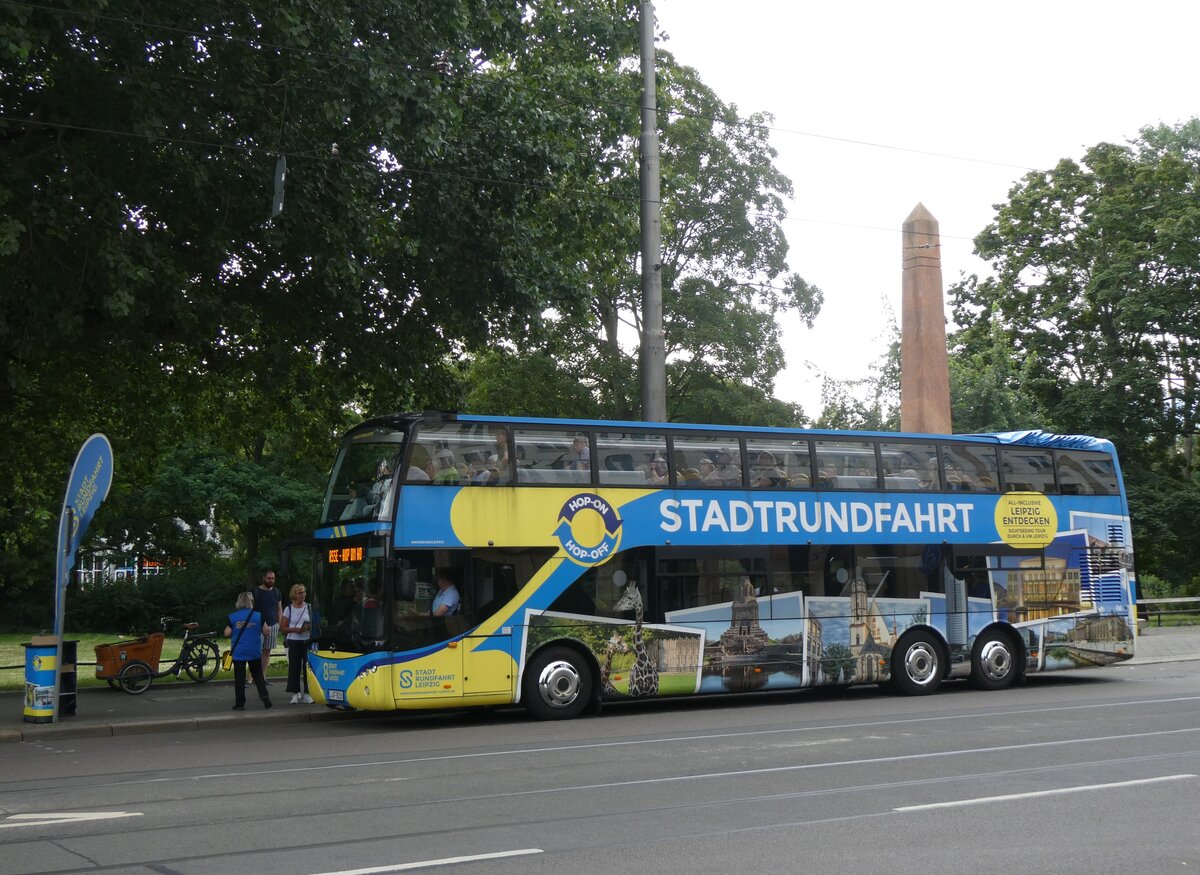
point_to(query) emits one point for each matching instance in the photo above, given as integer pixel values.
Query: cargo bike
(133, 665)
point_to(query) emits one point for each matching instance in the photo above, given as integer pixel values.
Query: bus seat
(622, 478)
(556, 475)
(619, 462)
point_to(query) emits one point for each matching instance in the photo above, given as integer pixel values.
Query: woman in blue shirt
(246, 629)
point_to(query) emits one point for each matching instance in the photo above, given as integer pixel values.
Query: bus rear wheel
(917, 664)
(558, 684)
(993, 661)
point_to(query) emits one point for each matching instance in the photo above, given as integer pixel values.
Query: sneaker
(239, 707)
(268, 683)
(306, 699)
(266, 703)
(296, 699)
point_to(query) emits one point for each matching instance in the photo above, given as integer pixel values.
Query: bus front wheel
(917, 664)
(993, 661)
(557, 685)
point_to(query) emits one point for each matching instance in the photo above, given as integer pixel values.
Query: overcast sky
(1010, 86)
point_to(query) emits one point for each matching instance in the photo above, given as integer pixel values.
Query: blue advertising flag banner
(87, 487)
(90, 480)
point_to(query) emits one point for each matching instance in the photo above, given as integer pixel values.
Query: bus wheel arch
(920, 661)
(997, 658)
(559, 681)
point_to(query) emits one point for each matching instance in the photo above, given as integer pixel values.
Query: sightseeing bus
(561, 564)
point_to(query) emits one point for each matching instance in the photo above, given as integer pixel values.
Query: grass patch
(1170, 620)
(13, 654)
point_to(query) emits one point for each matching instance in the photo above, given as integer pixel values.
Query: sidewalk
(1166, 643)
(165, 707)
(187, 707)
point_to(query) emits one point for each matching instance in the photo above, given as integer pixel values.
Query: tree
(151, 294)
(871, 403)
(1097, 295)
(990, 388)
(725, 275)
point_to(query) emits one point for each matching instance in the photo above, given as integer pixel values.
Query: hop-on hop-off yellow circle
(1026, 519)
(587, 528)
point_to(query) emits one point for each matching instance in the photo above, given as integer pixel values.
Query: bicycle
(199, 657)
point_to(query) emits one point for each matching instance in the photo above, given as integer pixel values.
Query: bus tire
(558, 684)
(917, 664)
(993, 660)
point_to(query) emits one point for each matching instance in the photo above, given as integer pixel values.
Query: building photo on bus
(561, 564)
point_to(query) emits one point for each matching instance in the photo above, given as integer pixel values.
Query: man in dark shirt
(269, 604)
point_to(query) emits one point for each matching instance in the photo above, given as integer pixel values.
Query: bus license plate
(336, 696)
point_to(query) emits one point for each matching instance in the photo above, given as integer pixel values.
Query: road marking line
(54, 819)
(1062, 791)
(445, 861)
(571, 748)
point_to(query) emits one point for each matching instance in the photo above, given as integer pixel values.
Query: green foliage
(1092, 324)
(203, 593)
(150, 295)
(724, 274)
(459, 230)
(1152, 587)
(869, 404)
(503, 382)
(990, 388)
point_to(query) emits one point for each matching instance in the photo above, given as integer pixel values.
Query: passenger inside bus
(684, 474)
(767, 472)
(356, 507)
(446, 472)
(579, 457)
(929, 478)
(727, 472)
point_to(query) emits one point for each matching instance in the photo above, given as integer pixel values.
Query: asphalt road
(1078, 772)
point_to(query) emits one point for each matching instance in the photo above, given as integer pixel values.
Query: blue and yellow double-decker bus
(560, 564)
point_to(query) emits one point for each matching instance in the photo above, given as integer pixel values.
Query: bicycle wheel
(201, 660)
(135, 678)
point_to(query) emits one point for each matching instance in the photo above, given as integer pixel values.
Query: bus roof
(1029, 437)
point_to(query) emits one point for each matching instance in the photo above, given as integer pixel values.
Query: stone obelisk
(924, 372)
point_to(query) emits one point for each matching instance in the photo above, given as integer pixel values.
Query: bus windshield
(360, 487)
(347, 596)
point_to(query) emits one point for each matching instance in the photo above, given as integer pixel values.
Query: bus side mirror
(405, 586)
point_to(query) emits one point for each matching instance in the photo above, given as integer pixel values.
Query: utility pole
(654, 354)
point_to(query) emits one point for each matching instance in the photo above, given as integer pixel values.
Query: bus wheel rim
(559, 684)
(995, 660)
(920, 663)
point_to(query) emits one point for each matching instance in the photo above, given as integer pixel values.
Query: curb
(52, 731)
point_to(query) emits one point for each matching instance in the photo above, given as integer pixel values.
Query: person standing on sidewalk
(246, 629)
(267, 601)
(296, 626)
